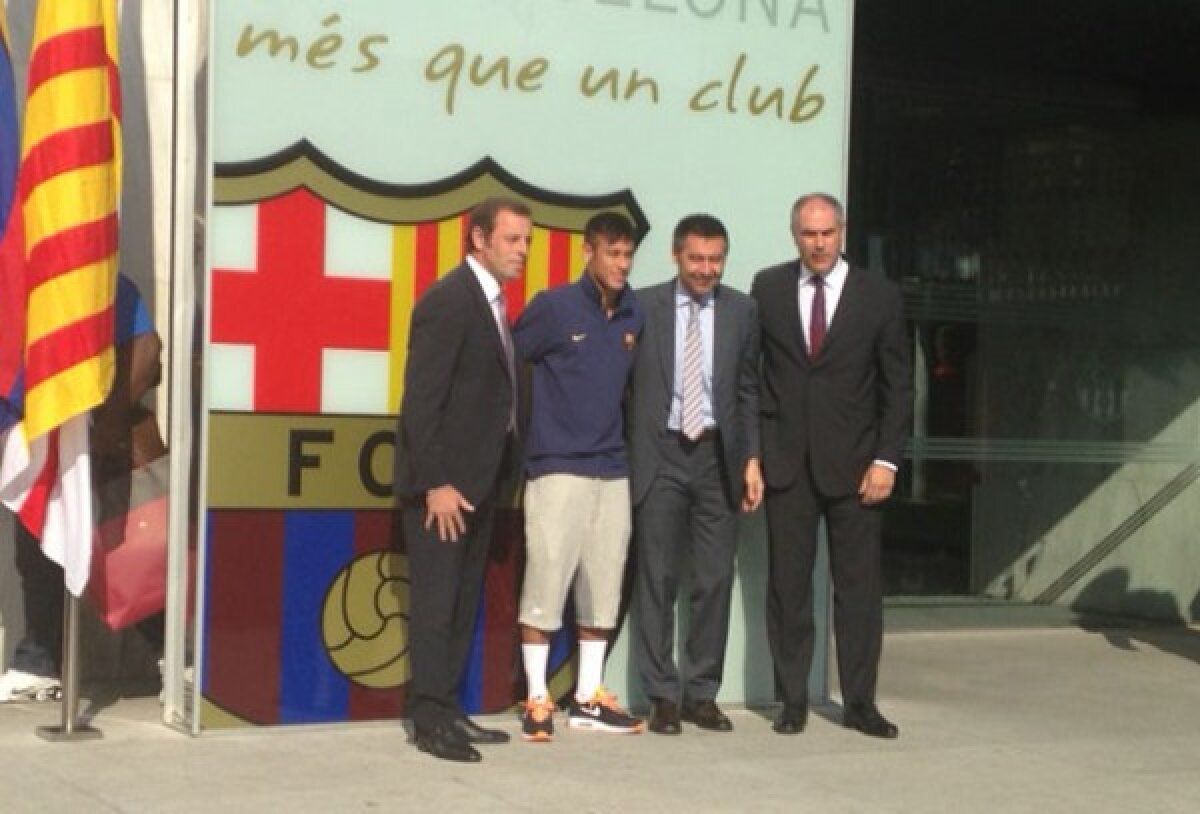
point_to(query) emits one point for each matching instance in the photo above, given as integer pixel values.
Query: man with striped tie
(694, 458)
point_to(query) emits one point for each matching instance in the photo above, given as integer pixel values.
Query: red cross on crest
(289, 310)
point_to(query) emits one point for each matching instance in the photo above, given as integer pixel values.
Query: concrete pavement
(1029, 720)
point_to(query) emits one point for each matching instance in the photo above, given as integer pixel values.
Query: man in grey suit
(694, 459)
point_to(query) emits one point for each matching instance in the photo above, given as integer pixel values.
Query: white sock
(591, 668)
(535, 657)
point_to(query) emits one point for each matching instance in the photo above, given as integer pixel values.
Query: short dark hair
(698, 225)
(825, 198)
(612, 226)
(483, 216)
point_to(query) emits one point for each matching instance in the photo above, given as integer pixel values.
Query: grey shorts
(576, 534)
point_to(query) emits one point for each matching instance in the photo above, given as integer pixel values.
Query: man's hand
(445, 506)
(876, 484)
(753, 494)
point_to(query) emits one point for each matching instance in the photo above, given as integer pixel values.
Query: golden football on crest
(364, 622)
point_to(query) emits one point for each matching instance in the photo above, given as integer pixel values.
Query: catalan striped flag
(68, 186)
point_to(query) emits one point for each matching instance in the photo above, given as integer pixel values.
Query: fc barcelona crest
(314, 272)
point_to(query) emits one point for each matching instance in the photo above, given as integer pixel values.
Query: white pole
(190, 50)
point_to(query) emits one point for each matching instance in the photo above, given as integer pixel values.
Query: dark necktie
(816, 317)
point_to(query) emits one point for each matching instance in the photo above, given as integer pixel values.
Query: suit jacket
(734, 384)
(850, 405)
(457, 393)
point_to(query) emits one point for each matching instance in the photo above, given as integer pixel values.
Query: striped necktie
(691, 420)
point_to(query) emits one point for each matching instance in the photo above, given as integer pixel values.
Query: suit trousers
(445, 583)
(686, 521)
(793, 514)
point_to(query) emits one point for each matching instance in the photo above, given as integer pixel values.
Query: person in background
(124, 436)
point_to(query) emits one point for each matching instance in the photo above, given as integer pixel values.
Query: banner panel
(348, 142)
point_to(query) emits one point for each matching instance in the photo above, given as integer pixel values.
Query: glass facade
(1032, 183)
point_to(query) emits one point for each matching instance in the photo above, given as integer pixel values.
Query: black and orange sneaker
(602, 713)
(537, 724)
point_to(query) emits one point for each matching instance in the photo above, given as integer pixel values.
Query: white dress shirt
(494, 294)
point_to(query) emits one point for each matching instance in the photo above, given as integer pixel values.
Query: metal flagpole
(71, 729)
(188, 143)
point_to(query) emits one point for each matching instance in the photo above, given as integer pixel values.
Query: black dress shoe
(664, 718)
(866, 719)
(792, 719)
(707, 715)
(447, 744)
(474, 733)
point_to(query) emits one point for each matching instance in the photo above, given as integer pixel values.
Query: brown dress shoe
(664, 718)
(707, 715)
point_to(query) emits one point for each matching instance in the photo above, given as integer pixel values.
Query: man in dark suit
(694, 455)
(457, 423)
(835, 402)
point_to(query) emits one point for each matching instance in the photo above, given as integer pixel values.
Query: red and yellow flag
(68, 186)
